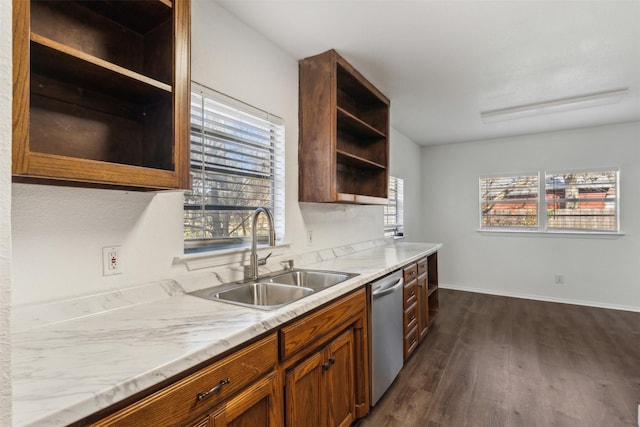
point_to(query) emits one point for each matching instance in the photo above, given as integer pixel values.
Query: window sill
(217, 258)
(537, 233)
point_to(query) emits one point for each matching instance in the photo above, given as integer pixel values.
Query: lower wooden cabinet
(320, 361)
(325, 358)
(320, 389)
(226, 380)
(259, 405)
(420, 300)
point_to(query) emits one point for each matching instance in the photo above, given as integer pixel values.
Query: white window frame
(394, 228)
(543, 202)
(514, 176)
(235, 111)
(542, 226)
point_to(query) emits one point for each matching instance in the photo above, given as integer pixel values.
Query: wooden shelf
(432, 290)
(63, 168)
(358, 96)
(353, 160)
(65, 63)
(343, 151)
(360, 199)
(357, 127)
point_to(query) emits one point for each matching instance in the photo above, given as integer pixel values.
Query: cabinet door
(423, 306)
(259, 405)
(320, 391)
(304, 395)
(338, 378)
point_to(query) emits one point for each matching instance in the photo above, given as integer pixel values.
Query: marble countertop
(67, 370)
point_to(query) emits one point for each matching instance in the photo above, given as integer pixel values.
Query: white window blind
(509, 201)
(583, 201)
(394, 210)
(237, 165)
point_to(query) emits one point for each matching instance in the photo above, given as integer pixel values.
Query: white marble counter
(66, 370)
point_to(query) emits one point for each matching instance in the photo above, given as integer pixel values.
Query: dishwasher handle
(387, 290)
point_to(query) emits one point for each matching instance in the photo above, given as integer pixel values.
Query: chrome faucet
(255, 261)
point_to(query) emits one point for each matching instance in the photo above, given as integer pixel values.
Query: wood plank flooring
(498, 361)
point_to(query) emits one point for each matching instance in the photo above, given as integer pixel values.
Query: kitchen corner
(84, 355)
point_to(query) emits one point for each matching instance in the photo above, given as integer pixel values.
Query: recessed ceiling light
(554, 106)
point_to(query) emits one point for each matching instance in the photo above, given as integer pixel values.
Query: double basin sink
(275, 291)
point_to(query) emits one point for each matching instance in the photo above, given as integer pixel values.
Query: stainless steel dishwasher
(386, 336)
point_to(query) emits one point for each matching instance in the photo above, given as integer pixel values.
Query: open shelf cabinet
(343, 151)
(432, 286)
(101, 92)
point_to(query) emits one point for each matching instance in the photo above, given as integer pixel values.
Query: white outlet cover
(111, 260)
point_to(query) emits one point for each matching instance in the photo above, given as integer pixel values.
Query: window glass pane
(394, 210)
(509, 201)
(237, 165)
(585, 201)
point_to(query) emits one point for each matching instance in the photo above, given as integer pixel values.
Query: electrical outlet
(309, 238)
(558, 279)
(111, 261)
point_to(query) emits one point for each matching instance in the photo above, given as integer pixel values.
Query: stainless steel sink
(314, 279)
(265, 296)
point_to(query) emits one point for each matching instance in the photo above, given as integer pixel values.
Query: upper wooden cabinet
(343, 151)
(101, 92)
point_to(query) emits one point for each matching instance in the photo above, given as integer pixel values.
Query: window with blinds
(509, 201)
(582, 201)
(394, 210)
(570, 201)
(237, 165)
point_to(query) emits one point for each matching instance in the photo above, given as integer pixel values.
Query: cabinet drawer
(318, 325)
(409, 293)
(422, 266)
(410, 272)
(410, 342)
(410, 318)
(198, 391)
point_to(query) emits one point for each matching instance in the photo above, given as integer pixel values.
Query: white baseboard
(541, 298)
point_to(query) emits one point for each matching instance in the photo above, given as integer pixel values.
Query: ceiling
(443, 62)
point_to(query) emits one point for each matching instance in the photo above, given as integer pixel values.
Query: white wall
(5, 212)
(405, 163)
(599, 271)
(59, 232)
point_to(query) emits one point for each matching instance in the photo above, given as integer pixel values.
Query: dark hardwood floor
(498, 361)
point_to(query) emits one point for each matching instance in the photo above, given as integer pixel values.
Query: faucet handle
(263, 261)
(287, 264)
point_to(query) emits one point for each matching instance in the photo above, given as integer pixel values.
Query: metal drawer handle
(327, 365)
(413, 341)
(213, 389)
(412, 318)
